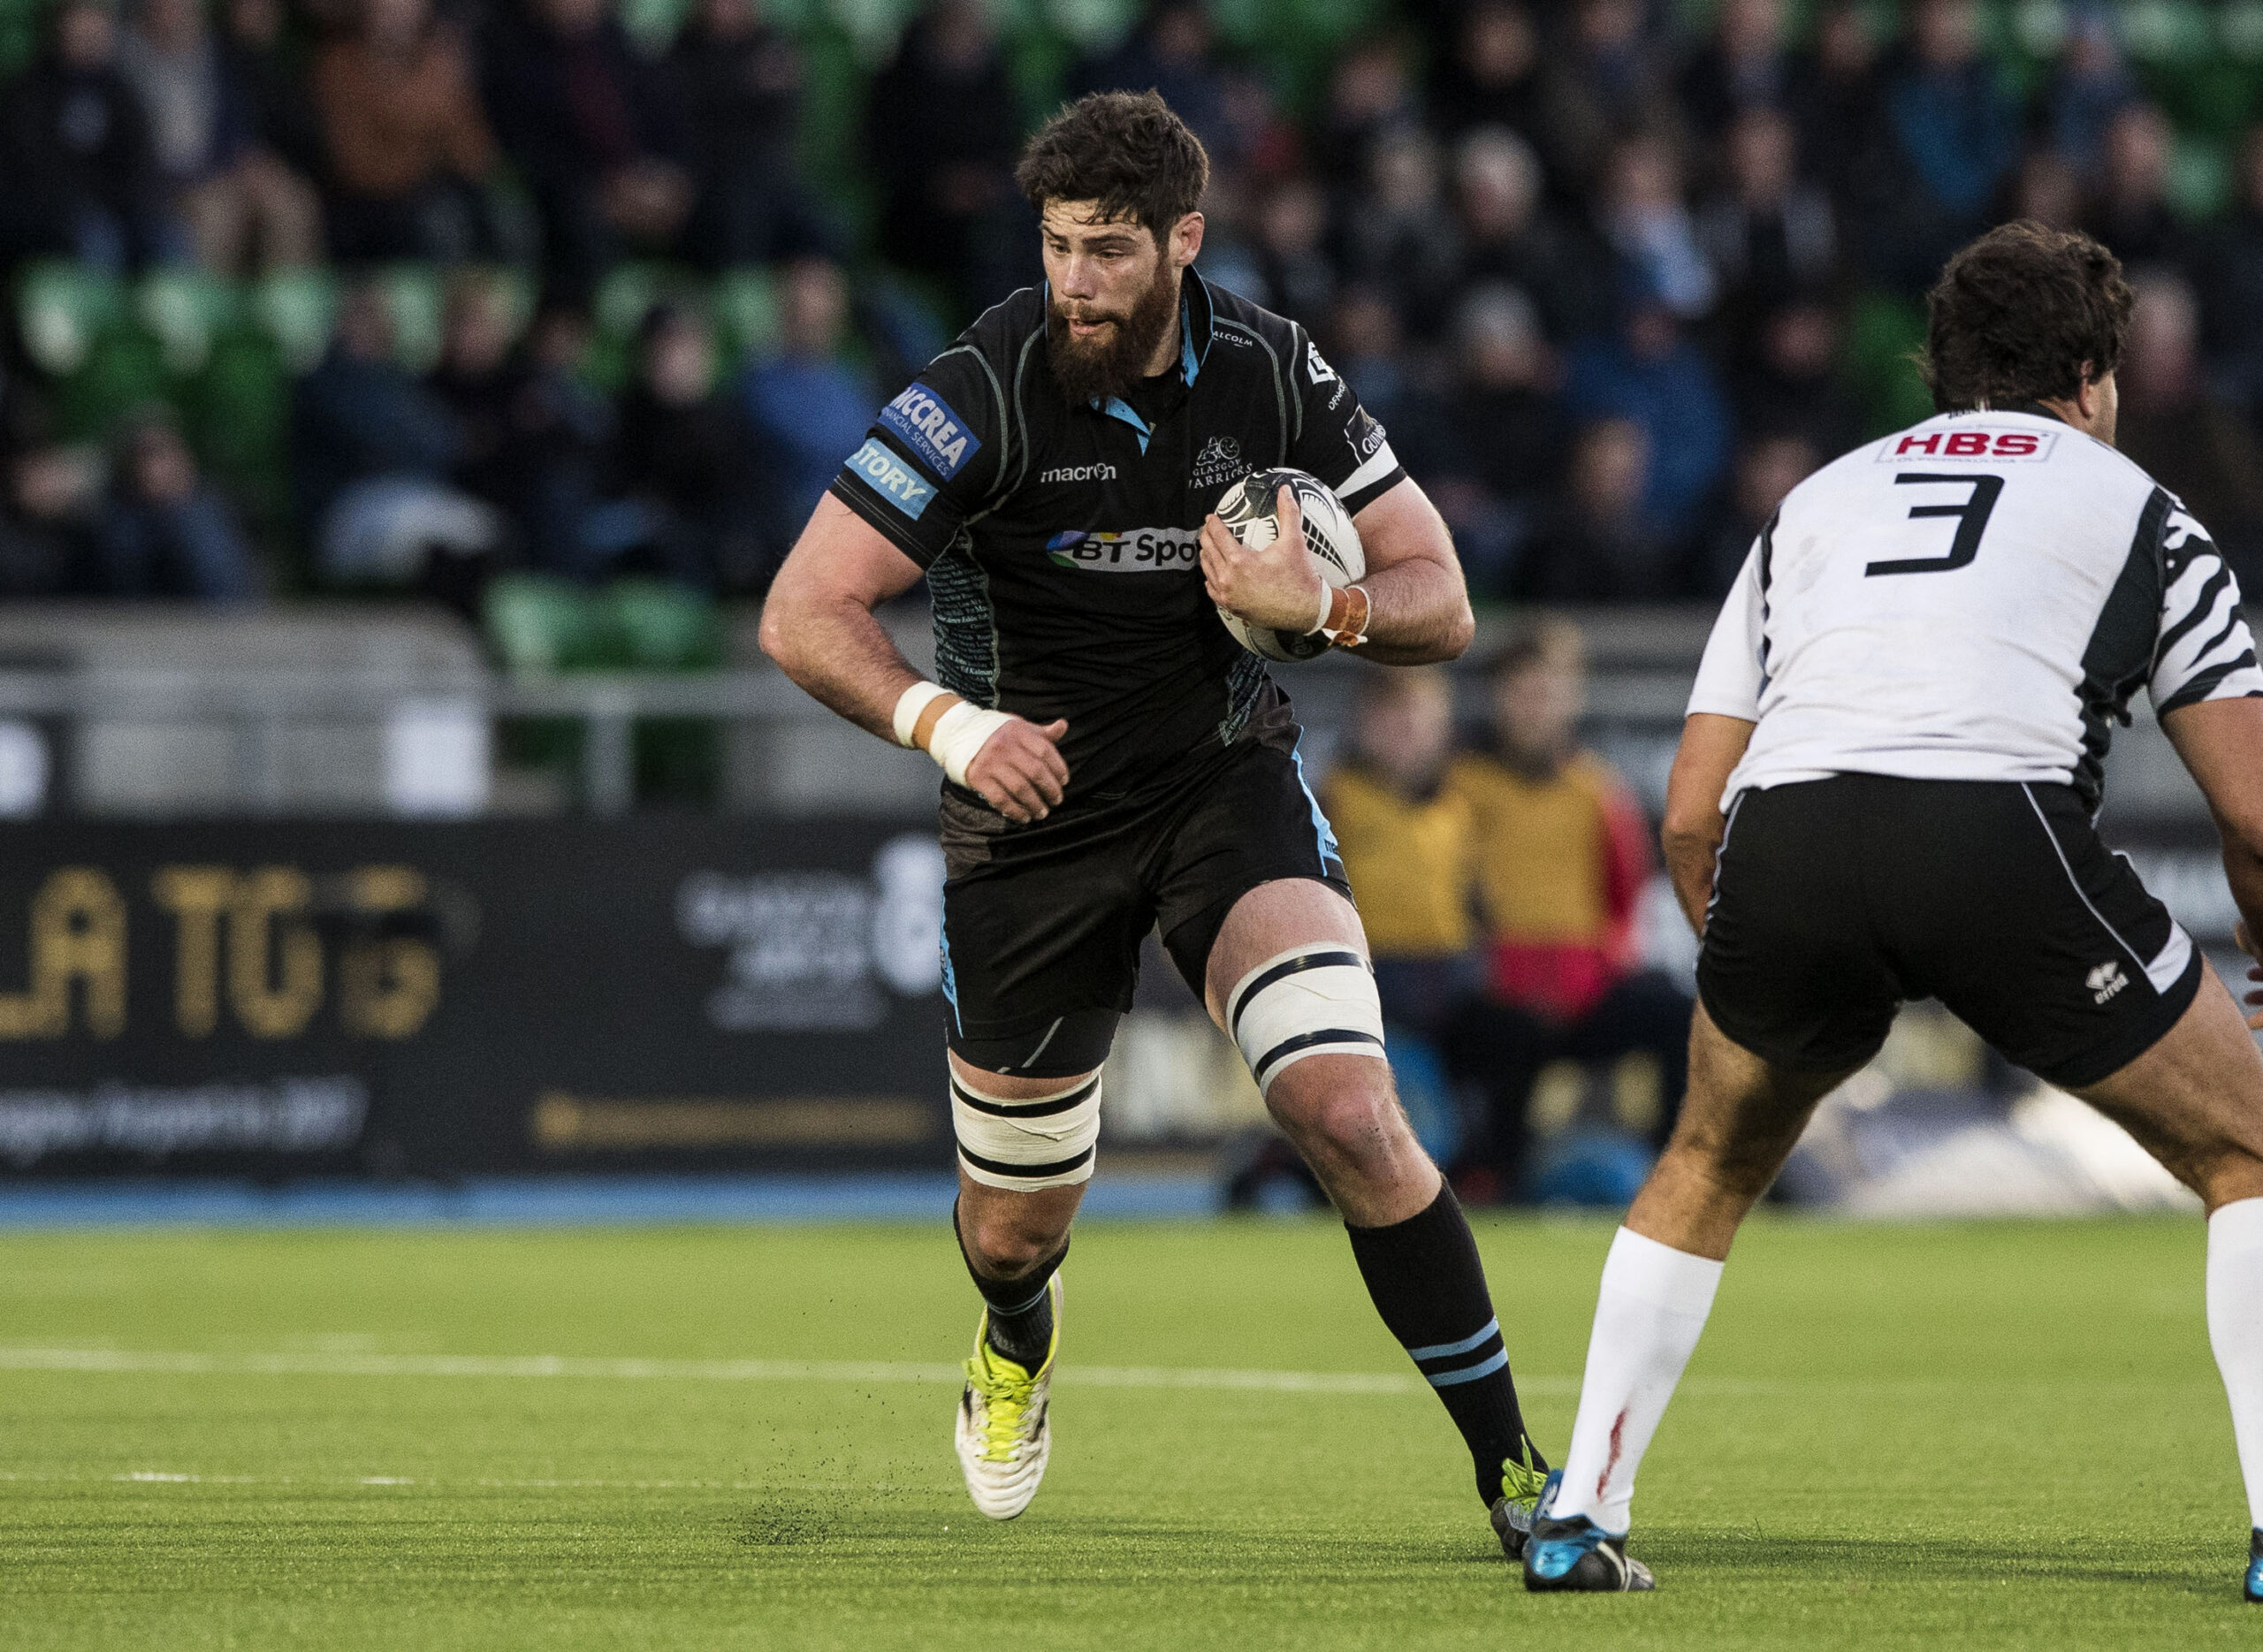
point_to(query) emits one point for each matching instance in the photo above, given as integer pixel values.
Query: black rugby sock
(1429, 1284)
(1021, 1310)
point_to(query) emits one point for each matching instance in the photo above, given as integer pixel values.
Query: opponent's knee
(1313, 1000)
(1027, 1142)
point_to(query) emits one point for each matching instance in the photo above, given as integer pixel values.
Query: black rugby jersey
(1061, 541)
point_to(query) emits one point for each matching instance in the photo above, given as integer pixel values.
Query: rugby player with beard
(1115, 762)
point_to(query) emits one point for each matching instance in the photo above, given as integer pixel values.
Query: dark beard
(1108, 367)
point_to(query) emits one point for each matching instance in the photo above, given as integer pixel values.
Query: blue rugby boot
(2252, 1590)
(1525, 1491)
(1577, 1553)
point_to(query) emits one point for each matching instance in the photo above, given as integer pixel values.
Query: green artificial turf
(1937, 1436)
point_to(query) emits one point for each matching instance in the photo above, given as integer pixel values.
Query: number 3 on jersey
(1972, 522)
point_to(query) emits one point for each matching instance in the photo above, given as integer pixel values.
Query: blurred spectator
(1507, 236)
(278, 117)
(1562, 857)
(943, 128)
(477, 381)
(689, 463)
(371, 453)
(2046, 189)
(2131, 213)
(594, 129)
(243, 206)
(82, 178)
(165, 532)
(2229, 270)
(1407, 845)
(1644, 219)
(1606, 80)
(1834, 100)
(740, 77)
(1954, 132)
(1296, 278)
(808, 404)
(1508, 436)
(1788, 381)
(2192, 443)
(1767, 468)
(1492, 77)
(1368, 94)
(1649, 373)
(548, 470)
(1598, 543)
(1398, 237)
(2090, 86)
(1767, 235)
(1743, 66)
(47, 519)
(409, 146)
(1170, 52)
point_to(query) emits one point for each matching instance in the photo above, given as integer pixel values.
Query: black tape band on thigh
(1068, 1047)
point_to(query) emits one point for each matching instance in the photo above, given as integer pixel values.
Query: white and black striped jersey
(1974, 599)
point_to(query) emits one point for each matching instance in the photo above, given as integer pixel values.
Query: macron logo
(930, 429)
(890, 478)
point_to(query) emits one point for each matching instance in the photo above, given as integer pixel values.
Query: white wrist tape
(960, 733)
(910, 703)
(1327, 607)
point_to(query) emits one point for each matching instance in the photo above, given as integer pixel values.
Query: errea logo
(2105, 981)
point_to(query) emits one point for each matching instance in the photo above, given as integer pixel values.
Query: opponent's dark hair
(2022, 315)
(1125, 151)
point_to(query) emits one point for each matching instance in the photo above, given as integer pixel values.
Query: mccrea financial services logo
(931, 430)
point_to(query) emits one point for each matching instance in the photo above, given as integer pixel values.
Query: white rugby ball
(1251, 512)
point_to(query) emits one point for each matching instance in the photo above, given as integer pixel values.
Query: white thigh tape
(1308, 1000)
(1044, 1141)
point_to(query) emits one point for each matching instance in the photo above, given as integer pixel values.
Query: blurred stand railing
(342, 710)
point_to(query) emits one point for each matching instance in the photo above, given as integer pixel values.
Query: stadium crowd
(392, 293)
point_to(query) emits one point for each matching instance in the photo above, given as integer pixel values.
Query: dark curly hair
(2026, 313)
(1125, 151)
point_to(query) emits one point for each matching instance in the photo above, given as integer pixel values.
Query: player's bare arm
(819, 626)
(2222, 743)
(1417, 606)
(1711, 747)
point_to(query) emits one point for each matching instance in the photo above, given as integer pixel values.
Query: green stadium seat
(415, 295)
(2200, 177)
(666, 627)
(1090, 24)
(186, 310)
(296, 309)
(537, 622)
(61, 308)
(1884, 334)
(745, 305)
(626, 292)
(238, 414)
(124, 370)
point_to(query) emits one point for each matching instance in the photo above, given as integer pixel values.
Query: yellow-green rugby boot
(1003, 1432)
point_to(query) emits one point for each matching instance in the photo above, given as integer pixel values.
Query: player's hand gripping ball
(1262, 585)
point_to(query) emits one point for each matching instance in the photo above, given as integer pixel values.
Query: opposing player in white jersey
(1884, 792)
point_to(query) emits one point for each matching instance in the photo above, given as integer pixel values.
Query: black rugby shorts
(1043, 923)
(1836, 900)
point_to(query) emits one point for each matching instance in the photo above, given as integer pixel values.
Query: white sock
(2236, 1331)
(1648, 1317)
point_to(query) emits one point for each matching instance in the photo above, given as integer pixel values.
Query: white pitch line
(110, 1360)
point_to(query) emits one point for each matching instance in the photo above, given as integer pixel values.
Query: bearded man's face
(1115, 300)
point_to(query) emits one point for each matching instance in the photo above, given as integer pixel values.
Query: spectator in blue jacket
(810, 405)
(1649, 373)
(164, 532)
(371, 452)
(1952, 130)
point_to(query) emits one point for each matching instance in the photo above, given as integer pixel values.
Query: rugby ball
(1251, 512)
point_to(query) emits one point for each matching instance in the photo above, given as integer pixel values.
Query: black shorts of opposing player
(1042, 925)
(1836, 900)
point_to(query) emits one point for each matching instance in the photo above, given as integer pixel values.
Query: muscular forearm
(1689, 857)
(1420, 615)
(835, 650)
